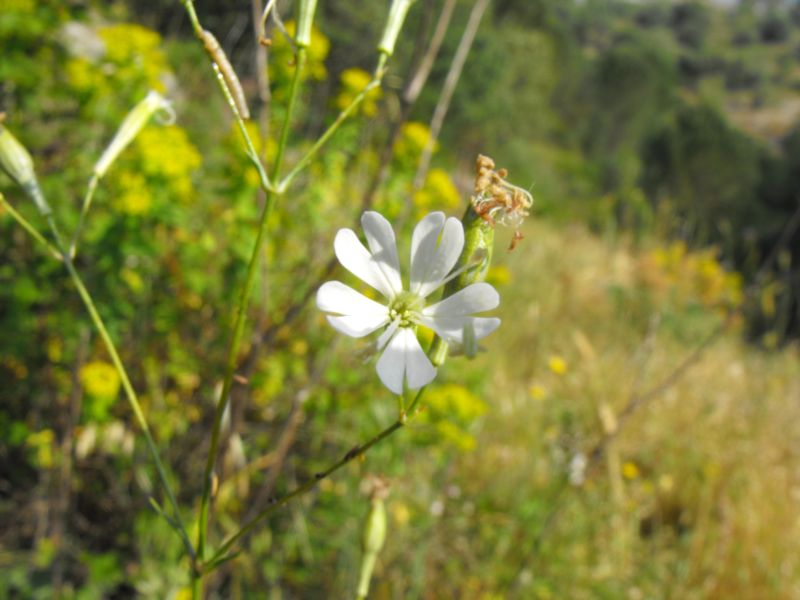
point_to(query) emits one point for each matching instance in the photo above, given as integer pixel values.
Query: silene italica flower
(436, 244)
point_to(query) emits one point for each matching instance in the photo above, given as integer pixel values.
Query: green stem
(126, 383)
(377, 77)
(311, 483)
(241, 314)
(26, 225)
(87, 202)
(263, 177)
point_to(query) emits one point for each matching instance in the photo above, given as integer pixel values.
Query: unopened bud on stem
(374, 535)
(17, 163)
(397, 14)
(305, 18)
(134, 122)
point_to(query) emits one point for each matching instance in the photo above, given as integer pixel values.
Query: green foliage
(620, 114)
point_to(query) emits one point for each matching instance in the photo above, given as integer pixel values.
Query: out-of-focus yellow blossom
(353, 81)
(166, 154)
(299, 347)
(282, 56)
(537, 392)
(55, 349)
(18, 369)
(132, 279)
(133, 196)
(498, 275)
(630, 470)
(400, 512)
(135, 47)
(691, 276)
(100, 379)
(438, 192)
(557, 364)
(449, 406)
(42, 444)
(666, 483)
(413, 138)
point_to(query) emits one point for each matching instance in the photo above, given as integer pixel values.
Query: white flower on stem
(435, 247)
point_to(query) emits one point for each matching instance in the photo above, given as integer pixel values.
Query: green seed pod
(397, 14)
(134, 122)
(371, 543)
(304, 20)
(17, 163)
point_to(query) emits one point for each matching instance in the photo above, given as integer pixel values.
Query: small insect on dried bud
(497, 201)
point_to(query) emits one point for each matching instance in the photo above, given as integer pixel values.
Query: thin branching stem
(26, 225)
(241, 314)
(130, 393)
(87, 203)
(220, 556)
(375, 82)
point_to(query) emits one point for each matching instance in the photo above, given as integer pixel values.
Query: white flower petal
(383, 247)
(433, 258)
(357, 325)
(472, 299)
(402, 359)
(451, 329)
(336, 297)
(358, 260)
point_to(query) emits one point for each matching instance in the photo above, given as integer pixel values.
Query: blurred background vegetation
(632, 430)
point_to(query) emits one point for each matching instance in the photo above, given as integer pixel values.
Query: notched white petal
(357, 325)
(436, 254)
(477, 297)
(402, 359)
(383, 247)
(358, 260)
(336, 297)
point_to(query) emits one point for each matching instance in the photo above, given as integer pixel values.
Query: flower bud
(397, 14)
(372, 542)
(134, 122)
(18, 164)
(304, 20)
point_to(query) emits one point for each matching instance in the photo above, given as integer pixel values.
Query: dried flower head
(497, 201)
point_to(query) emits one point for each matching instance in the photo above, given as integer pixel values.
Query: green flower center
(405, 308)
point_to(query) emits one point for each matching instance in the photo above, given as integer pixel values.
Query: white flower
(435, 247)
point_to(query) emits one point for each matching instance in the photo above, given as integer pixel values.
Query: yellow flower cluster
(132, 55)
(438, 192)
(353, 81)
(100, 379)
(691, 276)
(451, 407)
(414, 137)
(282, 56)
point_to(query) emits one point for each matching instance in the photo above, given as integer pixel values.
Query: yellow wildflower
(557, 364)
(100, 379)
(353, 82)
(537, 392)
(630, 470)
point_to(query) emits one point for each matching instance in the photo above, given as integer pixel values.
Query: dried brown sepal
(264, 41)
(497, 201)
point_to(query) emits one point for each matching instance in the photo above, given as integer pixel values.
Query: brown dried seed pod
(217, 54)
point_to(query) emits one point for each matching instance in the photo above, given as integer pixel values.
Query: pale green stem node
(397, 14)
(304, 20)
(134, 122)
